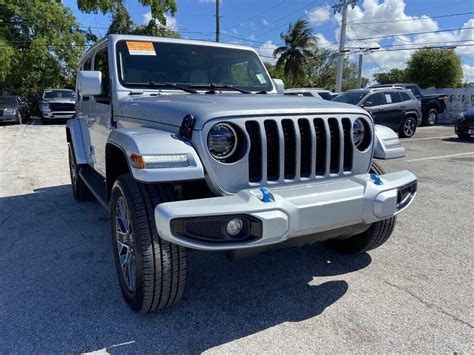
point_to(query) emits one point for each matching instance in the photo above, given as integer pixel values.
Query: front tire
(80, 190)
(408, 127)
(377, 234)
(151, 271)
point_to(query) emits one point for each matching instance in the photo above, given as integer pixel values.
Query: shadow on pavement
(59, 290)
(459, 140)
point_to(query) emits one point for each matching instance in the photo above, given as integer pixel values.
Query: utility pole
(342, 7)
(359, 72)
(218, 18)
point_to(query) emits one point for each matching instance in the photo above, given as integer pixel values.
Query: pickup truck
(190, 145)
(431, 105)
(57, 105)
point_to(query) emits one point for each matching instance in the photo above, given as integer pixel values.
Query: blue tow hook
(376, 179)
(266, 195)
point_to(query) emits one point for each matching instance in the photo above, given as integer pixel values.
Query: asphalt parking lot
(60, 294)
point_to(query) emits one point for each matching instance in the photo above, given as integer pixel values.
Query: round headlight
(222, 141)
(358, 132)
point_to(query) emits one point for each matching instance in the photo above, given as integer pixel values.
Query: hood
(4, 106)
(171, 109)
(469, 114)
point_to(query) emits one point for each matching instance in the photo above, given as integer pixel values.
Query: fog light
(234, 226)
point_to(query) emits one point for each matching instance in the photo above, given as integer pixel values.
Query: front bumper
(8, 118)
(294, 211)
(59, 115)
(466, 126)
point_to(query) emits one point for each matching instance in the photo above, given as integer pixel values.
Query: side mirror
(279, 85)
(89, 83)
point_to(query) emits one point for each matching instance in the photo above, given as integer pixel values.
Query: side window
(395, 97)
(375, 100)
(87, 64)
(101, 64)
(405, 96)
(415, 91)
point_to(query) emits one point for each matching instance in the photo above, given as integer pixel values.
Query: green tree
(122, 22)
(41, 43)
(294, 56)
(435, 67)
(392, 76)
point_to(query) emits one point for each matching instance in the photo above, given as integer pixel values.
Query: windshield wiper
(154, 85)
(213, 86)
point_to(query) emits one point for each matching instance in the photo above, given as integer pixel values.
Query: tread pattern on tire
(164, 264)
(377, 234)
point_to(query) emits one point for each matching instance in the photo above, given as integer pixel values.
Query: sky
(258, 23)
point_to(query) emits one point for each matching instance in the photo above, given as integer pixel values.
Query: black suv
(396, 108)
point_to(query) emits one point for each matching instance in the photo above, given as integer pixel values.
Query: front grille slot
(346, 127)
(335, 145)
(273, 150)
(320, 130)
(290, 148)
(306, 146)
(255, 153)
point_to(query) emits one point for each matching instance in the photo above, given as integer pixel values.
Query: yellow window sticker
(140, 48)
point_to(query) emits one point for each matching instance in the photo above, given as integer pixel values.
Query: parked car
(189, 145)
(392, 107)
(314, 92)
(464, 124)
(57, 105)
(431, 105)
(13, 109)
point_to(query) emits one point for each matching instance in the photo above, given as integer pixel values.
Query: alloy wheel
(124, 239)
(409, 127)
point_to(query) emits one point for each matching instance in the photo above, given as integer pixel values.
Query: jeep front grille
(291, 149)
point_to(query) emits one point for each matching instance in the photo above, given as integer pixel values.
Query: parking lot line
(428, 138)
(440, 157)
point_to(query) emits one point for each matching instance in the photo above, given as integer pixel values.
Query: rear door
(394, 109)
(100, 114)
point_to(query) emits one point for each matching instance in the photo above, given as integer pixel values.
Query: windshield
(351, 97)
(143, 64)
(55, 94)
(7, 101)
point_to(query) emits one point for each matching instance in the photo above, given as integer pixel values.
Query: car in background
(396, 108)
(464, 124)
(315, 92)
(57, 105)
(431, 105)
(13, 109)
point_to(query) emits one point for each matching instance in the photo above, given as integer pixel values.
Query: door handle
(403, 106)
(381, 109)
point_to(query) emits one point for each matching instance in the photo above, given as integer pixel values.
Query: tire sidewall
(133, 298)
(402, 128)
(428, 122)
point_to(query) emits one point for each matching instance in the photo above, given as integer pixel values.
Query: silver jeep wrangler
(191, 145)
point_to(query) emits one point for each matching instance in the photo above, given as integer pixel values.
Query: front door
(375, 104)
(100, 115)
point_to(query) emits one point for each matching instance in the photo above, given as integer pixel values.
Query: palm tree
(294, 55)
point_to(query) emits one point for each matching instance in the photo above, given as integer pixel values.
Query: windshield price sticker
(140, 48)
(261, 78)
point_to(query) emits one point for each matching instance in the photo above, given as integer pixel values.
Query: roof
(305, 89)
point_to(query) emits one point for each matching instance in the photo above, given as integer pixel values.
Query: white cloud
(265, 22)
(318, 15)
(171, 23)
(388, 17)
(468, 73)
(266, 51)
(323, 42)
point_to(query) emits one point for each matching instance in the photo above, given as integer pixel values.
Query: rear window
(414, 90)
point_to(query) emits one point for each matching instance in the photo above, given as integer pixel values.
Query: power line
(412, 19)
